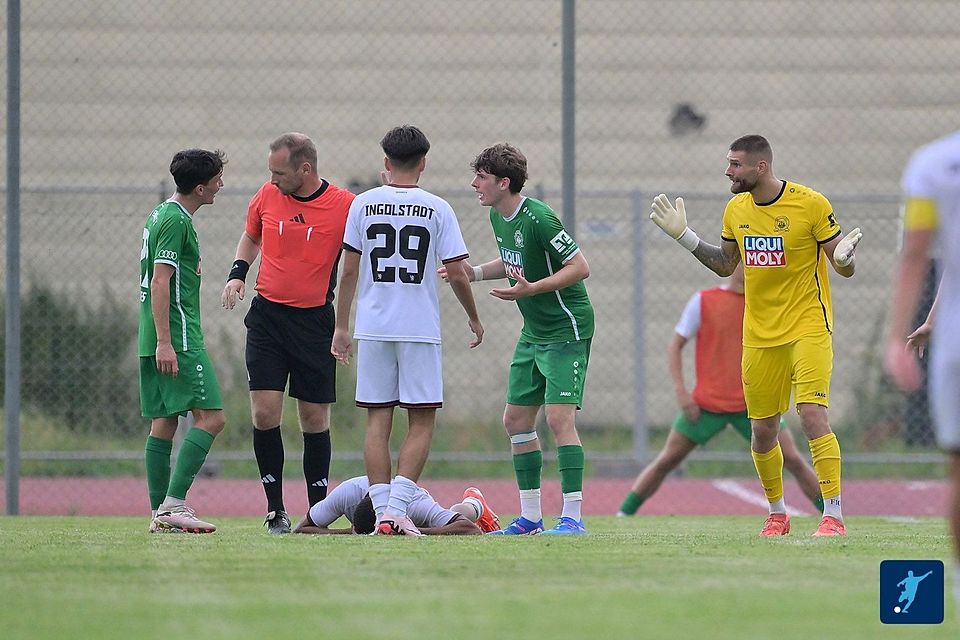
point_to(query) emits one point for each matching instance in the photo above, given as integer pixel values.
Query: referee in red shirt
(295, 222)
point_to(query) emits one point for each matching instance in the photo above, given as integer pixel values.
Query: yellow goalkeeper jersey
(787, 293)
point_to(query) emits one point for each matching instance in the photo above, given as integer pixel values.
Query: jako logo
(763, 251)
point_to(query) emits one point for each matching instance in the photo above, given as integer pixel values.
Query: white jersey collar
(516, 211)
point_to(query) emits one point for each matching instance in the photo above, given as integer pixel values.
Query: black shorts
(289, 342)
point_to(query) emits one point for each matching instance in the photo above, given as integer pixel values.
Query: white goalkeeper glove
(673, 220)
(843, 254)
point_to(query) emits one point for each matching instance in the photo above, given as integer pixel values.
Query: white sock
(831, 507)
(530, 505)
(170, 502)
(475, 504)
(379, 495)
(402, 491)
(153, 514)
(571, 505)
(779, 506)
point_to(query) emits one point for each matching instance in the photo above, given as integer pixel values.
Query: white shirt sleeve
(450, 242)
(689, 322)
(341, 501)
(352, 233)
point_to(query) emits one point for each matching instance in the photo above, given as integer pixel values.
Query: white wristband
(688, 239)
(477, 274)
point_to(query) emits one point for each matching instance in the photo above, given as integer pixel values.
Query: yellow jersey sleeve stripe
(830, 238)
(920, 214)
(725, 239)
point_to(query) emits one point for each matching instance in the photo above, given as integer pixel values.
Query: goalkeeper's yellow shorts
(770, 373)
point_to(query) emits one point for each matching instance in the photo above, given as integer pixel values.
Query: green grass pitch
(642, 577)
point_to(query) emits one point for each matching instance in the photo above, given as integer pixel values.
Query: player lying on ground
(351, 499)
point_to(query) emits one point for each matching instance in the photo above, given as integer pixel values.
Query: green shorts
(195, 386)
(710, 424)
(548, 373)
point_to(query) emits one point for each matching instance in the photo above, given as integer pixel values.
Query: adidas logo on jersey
(298, 218)
(763, 251)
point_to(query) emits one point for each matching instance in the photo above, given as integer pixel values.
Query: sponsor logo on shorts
(566, 394)
(764, 251)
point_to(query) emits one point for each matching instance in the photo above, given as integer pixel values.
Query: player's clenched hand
(167, 359)
(671, 218)
(902, 366)
(843, 254)
(477, 330)
(341, 347)
(234, 289)
(920, 338)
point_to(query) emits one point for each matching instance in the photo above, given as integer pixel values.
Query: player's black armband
(239, 270)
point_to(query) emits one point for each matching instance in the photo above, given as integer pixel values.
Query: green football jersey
(534, 242)
(169, 238)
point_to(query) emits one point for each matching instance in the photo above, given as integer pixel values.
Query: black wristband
(239, 270)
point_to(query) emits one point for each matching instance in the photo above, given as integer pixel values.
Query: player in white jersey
(931, 214)
(395, 238)
(351, 500)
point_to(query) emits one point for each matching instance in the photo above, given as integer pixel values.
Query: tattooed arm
(721, 260)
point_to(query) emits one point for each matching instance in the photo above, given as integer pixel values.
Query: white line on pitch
(733, 488)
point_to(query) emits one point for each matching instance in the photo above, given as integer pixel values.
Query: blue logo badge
(911, 592)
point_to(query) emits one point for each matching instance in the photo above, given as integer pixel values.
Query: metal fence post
(11, 395)
(640, 427)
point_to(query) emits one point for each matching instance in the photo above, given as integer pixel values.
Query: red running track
(126, 496)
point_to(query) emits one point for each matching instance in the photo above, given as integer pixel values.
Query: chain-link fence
(110, 90)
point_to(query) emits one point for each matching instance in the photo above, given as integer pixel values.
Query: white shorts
(409, 374)
(427, 512)
(945, 395)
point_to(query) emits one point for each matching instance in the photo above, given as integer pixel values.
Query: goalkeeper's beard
(742, 186)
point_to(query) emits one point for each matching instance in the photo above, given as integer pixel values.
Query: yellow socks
(770, 469)
(825, 451)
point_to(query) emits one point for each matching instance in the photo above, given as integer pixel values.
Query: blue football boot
(520, 527)
(567, 527)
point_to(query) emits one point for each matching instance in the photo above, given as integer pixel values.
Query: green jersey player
(176, 374)
(545, 269)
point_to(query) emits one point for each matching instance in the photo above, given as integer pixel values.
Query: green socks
(192, 454)
(528, 467)
(631, 503)
(570, 462)
(156, 456)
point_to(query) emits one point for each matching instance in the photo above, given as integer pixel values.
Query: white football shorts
(409, 374)
(944, 394)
